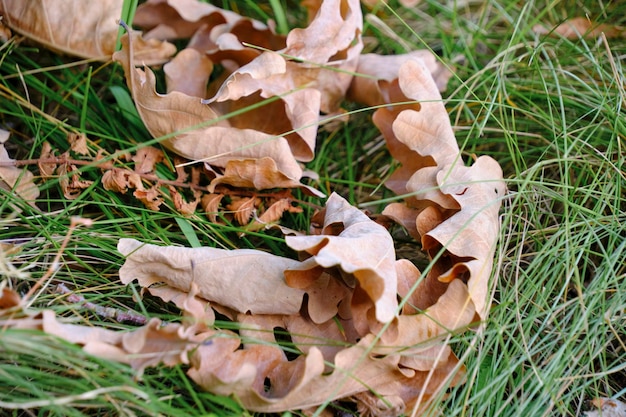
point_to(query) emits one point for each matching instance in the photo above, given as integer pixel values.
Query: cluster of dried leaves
(338, 303)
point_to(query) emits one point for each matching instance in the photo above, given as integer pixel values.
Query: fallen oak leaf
(93, 36)
(219, 143)
(464, 217)
(242, 279)
(12, 178)
(581, 27)
(374, 72)
(363, 248)
(472, 232)
(146, 346)
(180, 19)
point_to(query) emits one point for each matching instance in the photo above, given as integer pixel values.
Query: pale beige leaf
(375, 72)
(217, 144)
(146, 158)
(91, 32)
(243, 279)
(473, 231)
(363, 248)
(333, 40)
(167, 19)
(582, 27)
(188, 73)
(18, 180)
(420, 136)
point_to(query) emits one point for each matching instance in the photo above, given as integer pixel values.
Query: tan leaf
(375, 72)
(46, 170)
(581, 27)
(92, 35)
(421, 138)
(151, 197)
(332, 39)
(146, 346)
(186, 208)
(78, 143)
(465, 219)
(243, 279)
(146, 158)
(363, 249)
(181, 18)
(243, 208)
(273, 214)
(210, 203)
(70, 180)
(188, 73)
(217, 144)
(473, 231)
(12, 178)
(260, 174)
(120, 180)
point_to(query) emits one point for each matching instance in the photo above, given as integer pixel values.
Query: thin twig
(107, 312)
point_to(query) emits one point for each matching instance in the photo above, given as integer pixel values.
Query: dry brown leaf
(581, 27)
(362, 248)
(420, 137)
(146, 158)
(332, 40)
(20, 181)
(70, 180)
(464, 219)
(184, 207)
(93, 31)
(78, 143)
(305, 88)
(166, 19)
(217, 144)
(46, 170)
(120, 180)
(210, 203)
(243, 208)
(243, 279)
(151, 197)
(306, 381)
(375, 72)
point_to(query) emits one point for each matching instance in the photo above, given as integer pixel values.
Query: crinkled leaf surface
(244, 280)
(363, 248)
(85, 28)
(21, 181)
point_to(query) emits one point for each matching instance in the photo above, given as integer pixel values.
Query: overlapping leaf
(20, 181)
(452, 206)
(260, 147)
(85, 28)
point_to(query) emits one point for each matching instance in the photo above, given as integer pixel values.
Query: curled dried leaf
(362, 248)
(12, 178)
(243, 279)
(92, 35)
